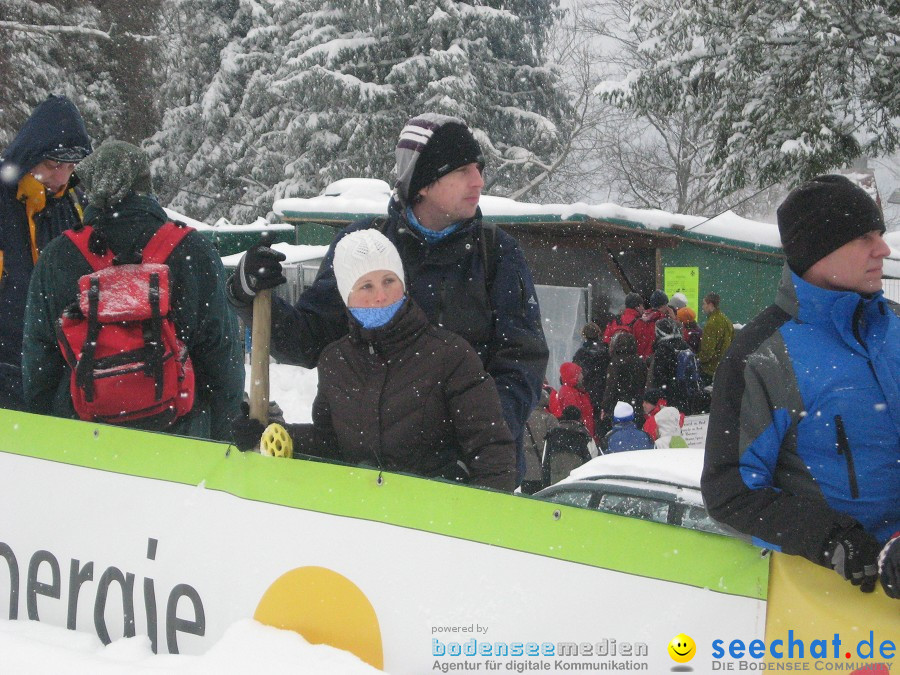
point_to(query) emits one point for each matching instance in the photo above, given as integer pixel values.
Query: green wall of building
(746, 281)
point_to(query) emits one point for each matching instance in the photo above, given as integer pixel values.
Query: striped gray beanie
(432, 145)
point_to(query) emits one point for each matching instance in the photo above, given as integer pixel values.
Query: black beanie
(633, 300)
(821, 216)
(431, 146)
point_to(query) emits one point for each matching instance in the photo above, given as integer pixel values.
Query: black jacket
(202, 317)
(413, 398)
(55, 122)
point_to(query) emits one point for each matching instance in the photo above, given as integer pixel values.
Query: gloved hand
(260, 268)
(889, 567)
(246, 431)
(853, 553)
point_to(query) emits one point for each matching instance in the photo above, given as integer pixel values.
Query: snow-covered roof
(294, 254)
(353, 198)
(222, 225)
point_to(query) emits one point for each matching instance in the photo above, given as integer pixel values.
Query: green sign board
(683, 280)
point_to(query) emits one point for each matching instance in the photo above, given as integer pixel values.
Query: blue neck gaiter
(376, 317)
(431, 236)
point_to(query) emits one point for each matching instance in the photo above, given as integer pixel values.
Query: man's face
(451, 198)
(708, 308)
(855, 266)
(52, 174)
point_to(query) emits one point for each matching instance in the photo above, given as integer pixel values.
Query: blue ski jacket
(54, 123)
(625, 436)
(804, 432)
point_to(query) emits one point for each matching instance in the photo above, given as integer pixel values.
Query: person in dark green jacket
(125, 215)
(717, 336)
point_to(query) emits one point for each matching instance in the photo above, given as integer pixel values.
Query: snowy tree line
(689, 107)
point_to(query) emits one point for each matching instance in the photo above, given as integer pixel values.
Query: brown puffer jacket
(414, 398)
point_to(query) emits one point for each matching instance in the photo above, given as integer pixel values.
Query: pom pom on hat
(360, 253)
(623, 412)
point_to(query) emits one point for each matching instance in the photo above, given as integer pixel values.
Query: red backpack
(128, 365)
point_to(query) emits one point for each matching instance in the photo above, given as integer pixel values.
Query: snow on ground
(35, 648)
(291, 387)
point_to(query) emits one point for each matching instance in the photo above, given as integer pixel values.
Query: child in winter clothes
(654, 401)
(571, 392)
(669, 421)
(566, 447)
(625, 435)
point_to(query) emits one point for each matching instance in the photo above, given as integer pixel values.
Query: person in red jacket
(571, 393)
(625, 322)
(654, 401)
(644, 331)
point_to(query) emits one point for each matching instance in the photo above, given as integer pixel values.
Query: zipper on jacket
(857, 319)
(843, 448)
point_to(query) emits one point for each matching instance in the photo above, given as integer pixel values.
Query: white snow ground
(35, 648)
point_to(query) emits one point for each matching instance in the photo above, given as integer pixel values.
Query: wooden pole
(259, 356)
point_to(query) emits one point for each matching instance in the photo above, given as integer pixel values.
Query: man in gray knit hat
(469, 278)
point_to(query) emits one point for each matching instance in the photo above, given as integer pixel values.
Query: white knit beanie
(361, 252)
(678, 301)
(623, 412)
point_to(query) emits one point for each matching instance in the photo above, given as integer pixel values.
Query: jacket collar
(397, 213)
(834, 310)
(409, 322)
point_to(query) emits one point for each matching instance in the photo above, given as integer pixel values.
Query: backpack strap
(487, 244)
(164, 241)
(80, 238)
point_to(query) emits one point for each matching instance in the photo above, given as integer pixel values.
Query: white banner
(116, 554)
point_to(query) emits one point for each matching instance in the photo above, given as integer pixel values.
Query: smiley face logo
(682, 648)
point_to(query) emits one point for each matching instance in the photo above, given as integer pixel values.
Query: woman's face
(376, 289)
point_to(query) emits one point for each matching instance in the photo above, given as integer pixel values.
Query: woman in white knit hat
(397, 393)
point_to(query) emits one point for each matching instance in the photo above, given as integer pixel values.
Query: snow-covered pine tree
(194, 32)
(790, 88)
(35, 64)
(310, 92)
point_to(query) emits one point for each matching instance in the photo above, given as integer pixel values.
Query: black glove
(853, 553)
(260, 268)
(889, 567)
(246, 431)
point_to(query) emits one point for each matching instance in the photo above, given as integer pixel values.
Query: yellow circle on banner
(325, 608)
(276, 442)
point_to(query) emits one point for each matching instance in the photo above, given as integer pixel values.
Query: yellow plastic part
(276, 442)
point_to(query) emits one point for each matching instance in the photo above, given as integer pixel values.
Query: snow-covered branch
(72, 30)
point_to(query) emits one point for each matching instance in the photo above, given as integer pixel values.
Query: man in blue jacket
(803, 448)
(38, 200)
(468, 278)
